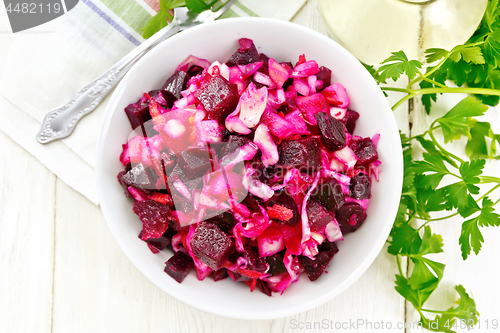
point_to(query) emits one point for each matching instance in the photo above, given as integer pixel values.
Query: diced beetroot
(218, 97)
(255, 262)
(350, 120)
(332, 130)
(138, 114)
(178, 266)
(225, 221)
(314, 268)
(350, 217)
(139, 177)
(193, 166)
(194, 70)
(220, 274)
(172, 88)
(276, 266)
(154, 217)
(157, 95)
(280, 202)
(365, 150)
(324, 75)
(157, 244)
(123, 184)
(303, 154)
(264, 287)
(246, 54)
(237, 277)
(329, 193)
(328, 246)
(211, 245)
(310, 105)
(234, 142)
(318, 216)
(360, 186)
(265, 64)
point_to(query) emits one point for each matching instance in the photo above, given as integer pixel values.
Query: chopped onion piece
(264, 141)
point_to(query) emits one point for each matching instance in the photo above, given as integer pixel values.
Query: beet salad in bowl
(250, 168)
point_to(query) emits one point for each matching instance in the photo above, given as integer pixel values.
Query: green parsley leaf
(198, 6)
(476, 145)
(415, 297)
(470, 172)
(398, 64)
(491, 14)
(455, 123)
(465, 311)
(431, 243)
(159, 21)
(430, 147)
(435, 54)
(426, 274)
(468, 53)
(471, 237)
(491, 48)
(431, 163)
(402, 238)
(457, 195)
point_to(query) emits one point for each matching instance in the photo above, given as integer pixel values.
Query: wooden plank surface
(27, 198)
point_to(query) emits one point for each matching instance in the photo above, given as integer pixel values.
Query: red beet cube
(332, 130)
(330, 194)
(178, 266)
(318, 216)
(138, 114)
(154, 217)
(314, 268)
(350, 217)
(365, 151)
(302, 154)
(173, 86)
(246, 54)
(211, 245)
(218, 97)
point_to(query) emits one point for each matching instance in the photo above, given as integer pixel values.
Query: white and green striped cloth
(42, 67)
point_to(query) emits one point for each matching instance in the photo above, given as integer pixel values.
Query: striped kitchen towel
(45, 65)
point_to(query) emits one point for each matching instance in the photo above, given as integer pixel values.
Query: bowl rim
(279, 313)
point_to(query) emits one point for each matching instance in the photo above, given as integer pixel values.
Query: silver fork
(60, 122)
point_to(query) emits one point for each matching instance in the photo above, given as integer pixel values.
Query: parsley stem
(439, 218)
(399, 265)
(489, 179)
(434, 82)
(405, 90)
(402, 100)
(459, 90)
(431, 134)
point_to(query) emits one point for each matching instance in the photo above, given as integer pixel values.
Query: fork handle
(60, 122)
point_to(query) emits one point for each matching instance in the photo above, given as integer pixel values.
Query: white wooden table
(61, 270)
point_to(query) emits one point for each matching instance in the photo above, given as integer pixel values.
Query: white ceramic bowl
(283, 41)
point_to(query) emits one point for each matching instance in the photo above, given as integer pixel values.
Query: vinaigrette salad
(248, 169)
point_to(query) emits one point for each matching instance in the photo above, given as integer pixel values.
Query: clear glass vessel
(372, 29)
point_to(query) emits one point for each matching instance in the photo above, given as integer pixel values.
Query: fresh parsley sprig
(441, 181)
(164, 16)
